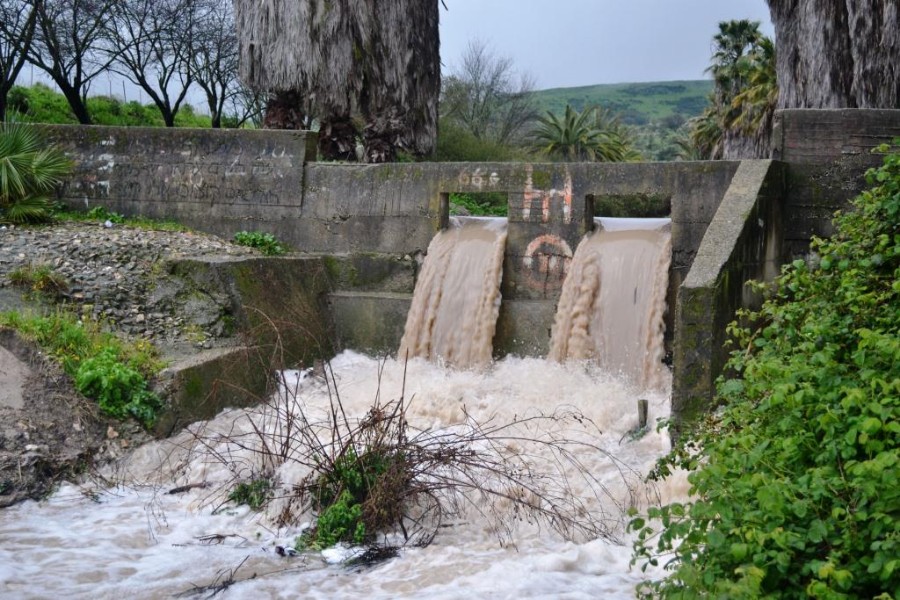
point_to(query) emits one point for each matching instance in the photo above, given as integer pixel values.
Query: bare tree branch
(152, 43)
(17, 24)
(70, 45)
(487, 97)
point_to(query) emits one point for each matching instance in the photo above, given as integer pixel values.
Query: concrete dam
(363, 230)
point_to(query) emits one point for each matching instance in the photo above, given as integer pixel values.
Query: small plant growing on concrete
(264, 242)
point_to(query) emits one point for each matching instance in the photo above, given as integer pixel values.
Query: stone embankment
(120, 276)
(113, 275)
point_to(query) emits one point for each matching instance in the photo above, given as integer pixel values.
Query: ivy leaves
(795, 484)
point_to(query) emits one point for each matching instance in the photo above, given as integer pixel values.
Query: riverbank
(117, 276)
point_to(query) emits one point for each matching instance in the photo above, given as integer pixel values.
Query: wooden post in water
(643, 405)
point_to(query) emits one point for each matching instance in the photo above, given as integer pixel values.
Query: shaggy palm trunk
(284, 110)
(311, 48)
(403, 79)
(837, 53)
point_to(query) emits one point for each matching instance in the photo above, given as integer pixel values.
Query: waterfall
(455, 305)
(613, 302)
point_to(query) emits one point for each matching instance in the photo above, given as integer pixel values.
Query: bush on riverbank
(795, 484)
(105, 368)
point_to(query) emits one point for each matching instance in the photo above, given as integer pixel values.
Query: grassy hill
(637, 103)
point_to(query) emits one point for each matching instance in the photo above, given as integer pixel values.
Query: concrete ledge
(743, 242)
(201, 386)
(371, 322)
(523, 327)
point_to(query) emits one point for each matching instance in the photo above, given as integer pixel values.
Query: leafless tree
(487, 97)
(152, 43)
(214, 61)
(70, 44)
(246, 106)
(17, 24)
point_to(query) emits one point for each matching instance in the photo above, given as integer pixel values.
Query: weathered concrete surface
(827, 153)
(216, 180)
(370, 322)
(524, 328)
(274, 306)
(743, 242)
(13, 373)
(201, 386)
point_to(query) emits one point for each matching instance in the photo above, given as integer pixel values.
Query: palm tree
(590, 135)
(305, 49)
(343, 55)
(402, 68)
(737, 123)
(755, 102)
(28, 171)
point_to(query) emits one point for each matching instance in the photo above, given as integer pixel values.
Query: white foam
(136, 540)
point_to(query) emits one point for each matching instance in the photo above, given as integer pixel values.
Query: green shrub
(265, 242)
(489, 204)
(341, 521)
(794, 489)
(354, 491)
(254, 494)
(101, 213)
(456, 144)
(103, 367)
(120, 389)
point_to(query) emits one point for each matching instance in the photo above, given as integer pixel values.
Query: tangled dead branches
(378, 481)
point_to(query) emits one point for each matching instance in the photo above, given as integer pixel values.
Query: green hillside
(637, 103)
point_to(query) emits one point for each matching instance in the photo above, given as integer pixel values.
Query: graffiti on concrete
(547, 199)
(546, 262)
(478, 178)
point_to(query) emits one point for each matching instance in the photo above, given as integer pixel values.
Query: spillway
(613, 302)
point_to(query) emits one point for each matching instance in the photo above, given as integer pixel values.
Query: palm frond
(30, 209)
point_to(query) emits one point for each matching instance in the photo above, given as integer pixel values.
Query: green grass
(112, 371)
(102, 214)
(637, 103)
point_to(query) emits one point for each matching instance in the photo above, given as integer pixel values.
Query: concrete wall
(827, 152)
(742, 243)
(395, 210)
(221, 181)
(731, 221)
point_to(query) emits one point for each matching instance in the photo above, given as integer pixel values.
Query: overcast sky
(565, 43)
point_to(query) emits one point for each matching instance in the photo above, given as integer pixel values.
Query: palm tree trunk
(337, 138)
(837, 53)
(403, 79)
(284, 110)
